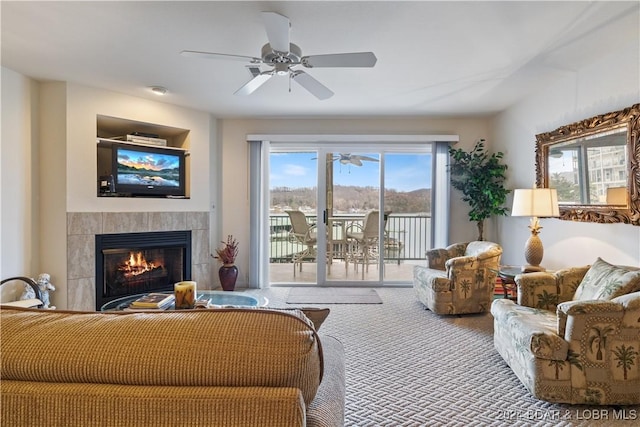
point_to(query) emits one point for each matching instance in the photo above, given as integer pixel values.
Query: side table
(507, 275)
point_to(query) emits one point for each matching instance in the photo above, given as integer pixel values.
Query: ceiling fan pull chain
(290, 78)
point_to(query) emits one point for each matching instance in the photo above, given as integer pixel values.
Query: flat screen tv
(148, 171)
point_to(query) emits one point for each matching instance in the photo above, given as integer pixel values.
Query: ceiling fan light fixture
(158, 90)
(282, 69)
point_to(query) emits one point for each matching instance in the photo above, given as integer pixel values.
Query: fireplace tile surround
(82, 227)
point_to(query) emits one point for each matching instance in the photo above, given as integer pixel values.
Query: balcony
(407, 237)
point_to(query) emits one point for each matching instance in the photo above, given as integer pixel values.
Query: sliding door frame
(260, 149)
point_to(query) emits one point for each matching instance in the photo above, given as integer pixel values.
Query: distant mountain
(354, 199)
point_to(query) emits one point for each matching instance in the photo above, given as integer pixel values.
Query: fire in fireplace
(135, 263)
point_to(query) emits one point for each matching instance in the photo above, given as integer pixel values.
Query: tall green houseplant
(480, 177)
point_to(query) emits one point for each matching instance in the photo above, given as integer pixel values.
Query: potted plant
(228, 272)
(480, 177)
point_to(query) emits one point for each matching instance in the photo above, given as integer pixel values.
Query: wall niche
(136, 159)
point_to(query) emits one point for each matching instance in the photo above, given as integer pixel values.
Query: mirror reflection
(591, 170)
(594, 165)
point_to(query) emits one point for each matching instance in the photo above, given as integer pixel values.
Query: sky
(151, 161)
(403, 172)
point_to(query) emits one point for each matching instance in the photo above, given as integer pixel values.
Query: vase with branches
(228, 252)
(228, 272)
(480, 177)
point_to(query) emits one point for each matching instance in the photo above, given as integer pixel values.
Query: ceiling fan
(283, 56)
(353, 159)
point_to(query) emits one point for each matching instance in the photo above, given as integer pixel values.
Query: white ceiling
(434, 58)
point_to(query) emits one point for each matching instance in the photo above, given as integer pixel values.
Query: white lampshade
(617, 195)
(538, 202)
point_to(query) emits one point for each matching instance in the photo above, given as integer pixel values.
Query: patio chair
(362, 241)
(302, 233)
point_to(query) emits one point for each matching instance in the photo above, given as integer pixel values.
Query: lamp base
(533, 250)
(532, 268)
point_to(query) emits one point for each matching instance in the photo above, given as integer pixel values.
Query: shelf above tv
(108, 142)
(108, 127)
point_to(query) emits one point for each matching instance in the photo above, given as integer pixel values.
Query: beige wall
(234, 215)
(608, 85)
(49, 168)
(18, 175)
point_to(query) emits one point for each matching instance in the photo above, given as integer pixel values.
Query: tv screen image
(149, 170)
(140, 168)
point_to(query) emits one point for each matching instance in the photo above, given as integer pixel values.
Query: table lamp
(534, 202)
(617, 195)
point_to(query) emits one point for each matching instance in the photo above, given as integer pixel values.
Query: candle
(185, 293)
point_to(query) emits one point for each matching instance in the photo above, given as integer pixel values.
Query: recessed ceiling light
(158, 90)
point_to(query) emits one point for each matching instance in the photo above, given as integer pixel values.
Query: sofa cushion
(316, 315)
(483, 249)
(225, 347)
(605, 281)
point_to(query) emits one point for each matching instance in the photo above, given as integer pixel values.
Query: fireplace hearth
(135, 263)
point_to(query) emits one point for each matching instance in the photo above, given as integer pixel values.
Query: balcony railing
(407, 237)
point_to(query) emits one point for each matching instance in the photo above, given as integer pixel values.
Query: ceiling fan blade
(316, 88)
(211, 55)
(367, 158)
(254, 70)
(253, 84)
(355, 59)
(277, 27)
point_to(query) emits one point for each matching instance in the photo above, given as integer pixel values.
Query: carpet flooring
(323, 295)
(406, 366)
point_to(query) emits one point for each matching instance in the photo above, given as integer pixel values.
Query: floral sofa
(574, 335)
(459, 278)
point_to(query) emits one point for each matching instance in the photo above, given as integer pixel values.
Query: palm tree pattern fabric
(458, 279)
(569, 350)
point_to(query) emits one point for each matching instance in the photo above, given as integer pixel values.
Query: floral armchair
(459, 278)
(574, 335)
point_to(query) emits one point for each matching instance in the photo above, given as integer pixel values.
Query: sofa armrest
(582, 322)
(461, 262)
(436, 258)
(631, 304)
(530, 330)
(629, 301)
(537, 290)
(328, 407)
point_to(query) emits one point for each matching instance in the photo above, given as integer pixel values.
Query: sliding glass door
(339, 214)
(293, 216)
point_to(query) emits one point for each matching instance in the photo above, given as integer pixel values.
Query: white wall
(233, 217)
(48, 168)
(18, 176)
(608, 85)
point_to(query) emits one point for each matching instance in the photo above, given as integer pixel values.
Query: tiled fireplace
(135, 263)
(83, 227)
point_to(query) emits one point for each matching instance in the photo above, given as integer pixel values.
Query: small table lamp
(535, 202)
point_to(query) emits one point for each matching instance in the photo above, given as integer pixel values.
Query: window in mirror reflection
(591, 170)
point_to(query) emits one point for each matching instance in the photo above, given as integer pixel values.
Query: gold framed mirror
(594, 165)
